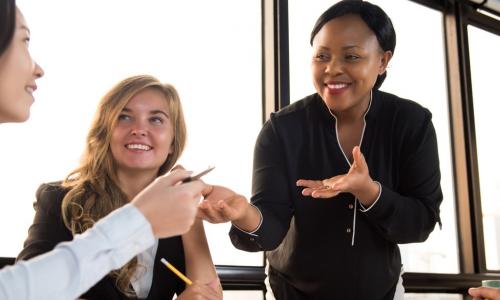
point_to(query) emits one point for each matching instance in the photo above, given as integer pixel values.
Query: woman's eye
(156, 120)
(351, 57)
(123, 117)
(321, 57)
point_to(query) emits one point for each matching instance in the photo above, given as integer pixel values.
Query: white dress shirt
(143, 277)
(73, 267)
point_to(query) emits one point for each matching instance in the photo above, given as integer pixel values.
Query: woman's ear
(384, 61)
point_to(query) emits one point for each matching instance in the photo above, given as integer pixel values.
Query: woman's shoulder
(402, 108)
(298, 108)
(297, 114)
(49, 196)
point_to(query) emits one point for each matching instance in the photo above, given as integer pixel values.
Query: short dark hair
(7, 23)
(376, 19)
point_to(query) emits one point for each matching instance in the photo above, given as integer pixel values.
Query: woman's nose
(38, 71)
(334, 67)
(137, 131)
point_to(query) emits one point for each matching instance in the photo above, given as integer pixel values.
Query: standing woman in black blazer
(371, 156)
(138, 134)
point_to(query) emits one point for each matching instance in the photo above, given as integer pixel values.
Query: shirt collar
(371, 113)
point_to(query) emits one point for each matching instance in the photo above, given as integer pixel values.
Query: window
(213, 58)
(415, 72)
(485, 92)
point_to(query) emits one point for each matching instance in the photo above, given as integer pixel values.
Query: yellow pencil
(176, 272)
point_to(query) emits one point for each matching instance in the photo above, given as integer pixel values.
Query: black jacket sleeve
(271, 194)
(409, 212)
(48, 227)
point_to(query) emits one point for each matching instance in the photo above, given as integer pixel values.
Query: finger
(308, 183)
(207, 190)
(203, 204)
(178, 167)
(359, 159)
(196, 187)
(175, 176)
(207, 206)
(211, 213)
(206, 213)
(487, 293)
(324, 193)
(332, 181)
(228, 212)
(307, 191)
(472, 291)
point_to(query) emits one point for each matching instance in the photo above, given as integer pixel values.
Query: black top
(48, 230)
(312, 251)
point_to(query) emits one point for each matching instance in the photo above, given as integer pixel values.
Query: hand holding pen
(198, 176)
(194, 290)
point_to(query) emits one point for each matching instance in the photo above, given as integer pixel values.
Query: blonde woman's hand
(357, 182)
(199, 291)
(169, 206)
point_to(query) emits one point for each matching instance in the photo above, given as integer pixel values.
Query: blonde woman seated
(137, 135)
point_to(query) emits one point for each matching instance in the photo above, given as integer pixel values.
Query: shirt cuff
(258, 227)
(363, 208)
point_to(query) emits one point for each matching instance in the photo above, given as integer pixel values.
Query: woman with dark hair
(163, 209)
(342, 176)
(18, 71)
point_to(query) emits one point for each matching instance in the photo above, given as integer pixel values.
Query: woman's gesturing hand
(222, 205)
(357, 182)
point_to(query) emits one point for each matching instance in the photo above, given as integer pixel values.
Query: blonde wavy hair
(93, 187)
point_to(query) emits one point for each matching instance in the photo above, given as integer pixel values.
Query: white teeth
(337, 85)
(138, 147)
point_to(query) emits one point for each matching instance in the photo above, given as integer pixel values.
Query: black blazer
(48, 230)
(330, 249)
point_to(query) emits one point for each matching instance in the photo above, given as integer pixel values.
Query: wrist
(369, 194)
(249, 220)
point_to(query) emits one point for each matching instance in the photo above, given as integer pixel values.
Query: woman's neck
(354, 115)
(132, 183)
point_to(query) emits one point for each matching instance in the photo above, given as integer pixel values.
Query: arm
(162, 209)
(199, 265)
(409, 212)
(263, 225)
(271, 195)
(73, 267)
